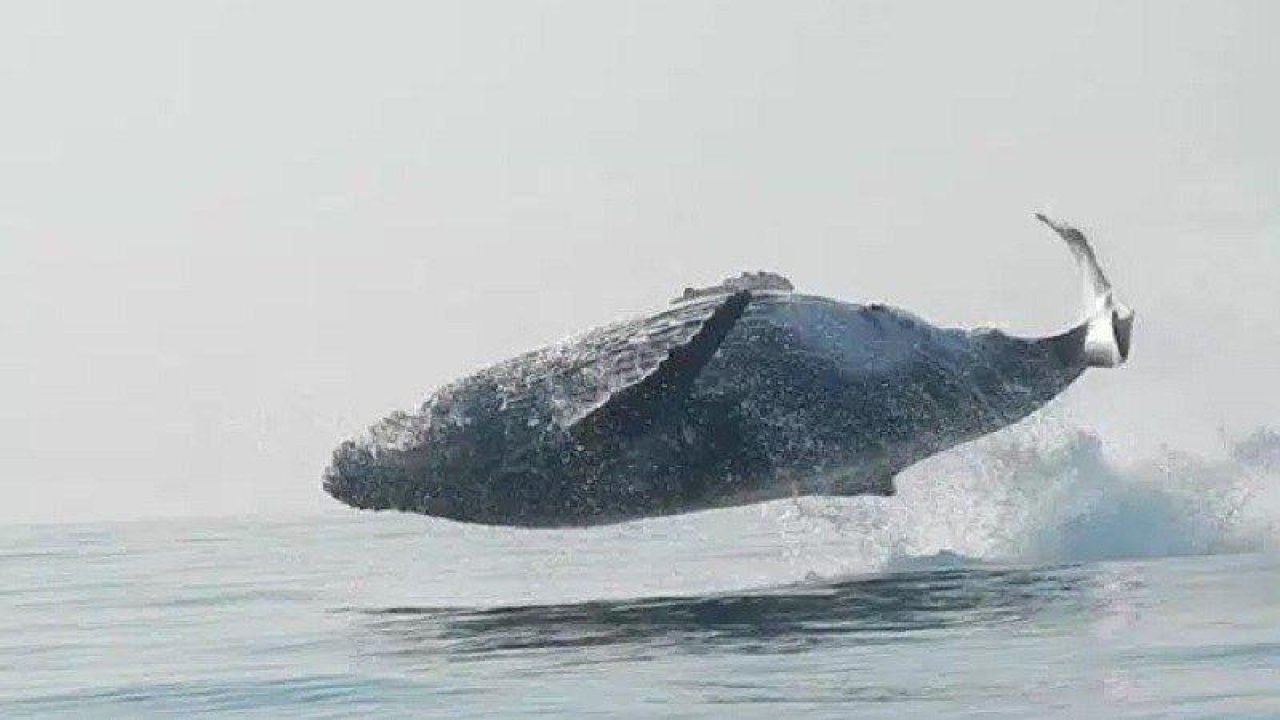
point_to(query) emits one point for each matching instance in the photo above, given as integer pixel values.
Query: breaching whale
(734, 394)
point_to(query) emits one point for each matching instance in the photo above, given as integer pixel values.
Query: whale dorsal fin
(762, 281)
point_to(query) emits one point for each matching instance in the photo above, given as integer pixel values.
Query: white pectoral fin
(1110, 322)
(1106, 342)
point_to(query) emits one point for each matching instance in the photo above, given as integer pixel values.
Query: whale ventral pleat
(762, 281)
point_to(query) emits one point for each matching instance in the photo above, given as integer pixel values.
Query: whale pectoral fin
(1109, 322)
(560, 387)
(637, 406)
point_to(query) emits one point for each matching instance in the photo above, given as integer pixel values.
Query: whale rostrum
(738, 393)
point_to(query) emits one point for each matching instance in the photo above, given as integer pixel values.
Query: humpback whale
(738, 393)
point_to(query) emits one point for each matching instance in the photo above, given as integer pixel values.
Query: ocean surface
(1013, 580)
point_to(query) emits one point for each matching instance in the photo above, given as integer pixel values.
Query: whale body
(739, 393)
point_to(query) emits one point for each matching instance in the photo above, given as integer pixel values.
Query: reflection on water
(791, 619)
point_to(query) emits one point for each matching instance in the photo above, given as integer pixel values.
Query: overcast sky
(232, 233)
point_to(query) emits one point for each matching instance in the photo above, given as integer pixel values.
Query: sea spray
(1046, 494)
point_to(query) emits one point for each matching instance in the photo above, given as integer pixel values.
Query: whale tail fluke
(1110, 322)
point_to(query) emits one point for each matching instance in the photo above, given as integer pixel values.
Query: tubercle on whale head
(1108, 323)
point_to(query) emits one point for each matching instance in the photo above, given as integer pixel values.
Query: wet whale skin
(724, 399)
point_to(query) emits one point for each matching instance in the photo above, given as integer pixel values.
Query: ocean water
(1018, 578)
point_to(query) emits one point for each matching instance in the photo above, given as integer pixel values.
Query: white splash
(1046, 495)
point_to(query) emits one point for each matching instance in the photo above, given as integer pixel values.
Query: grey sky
(232, 233)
